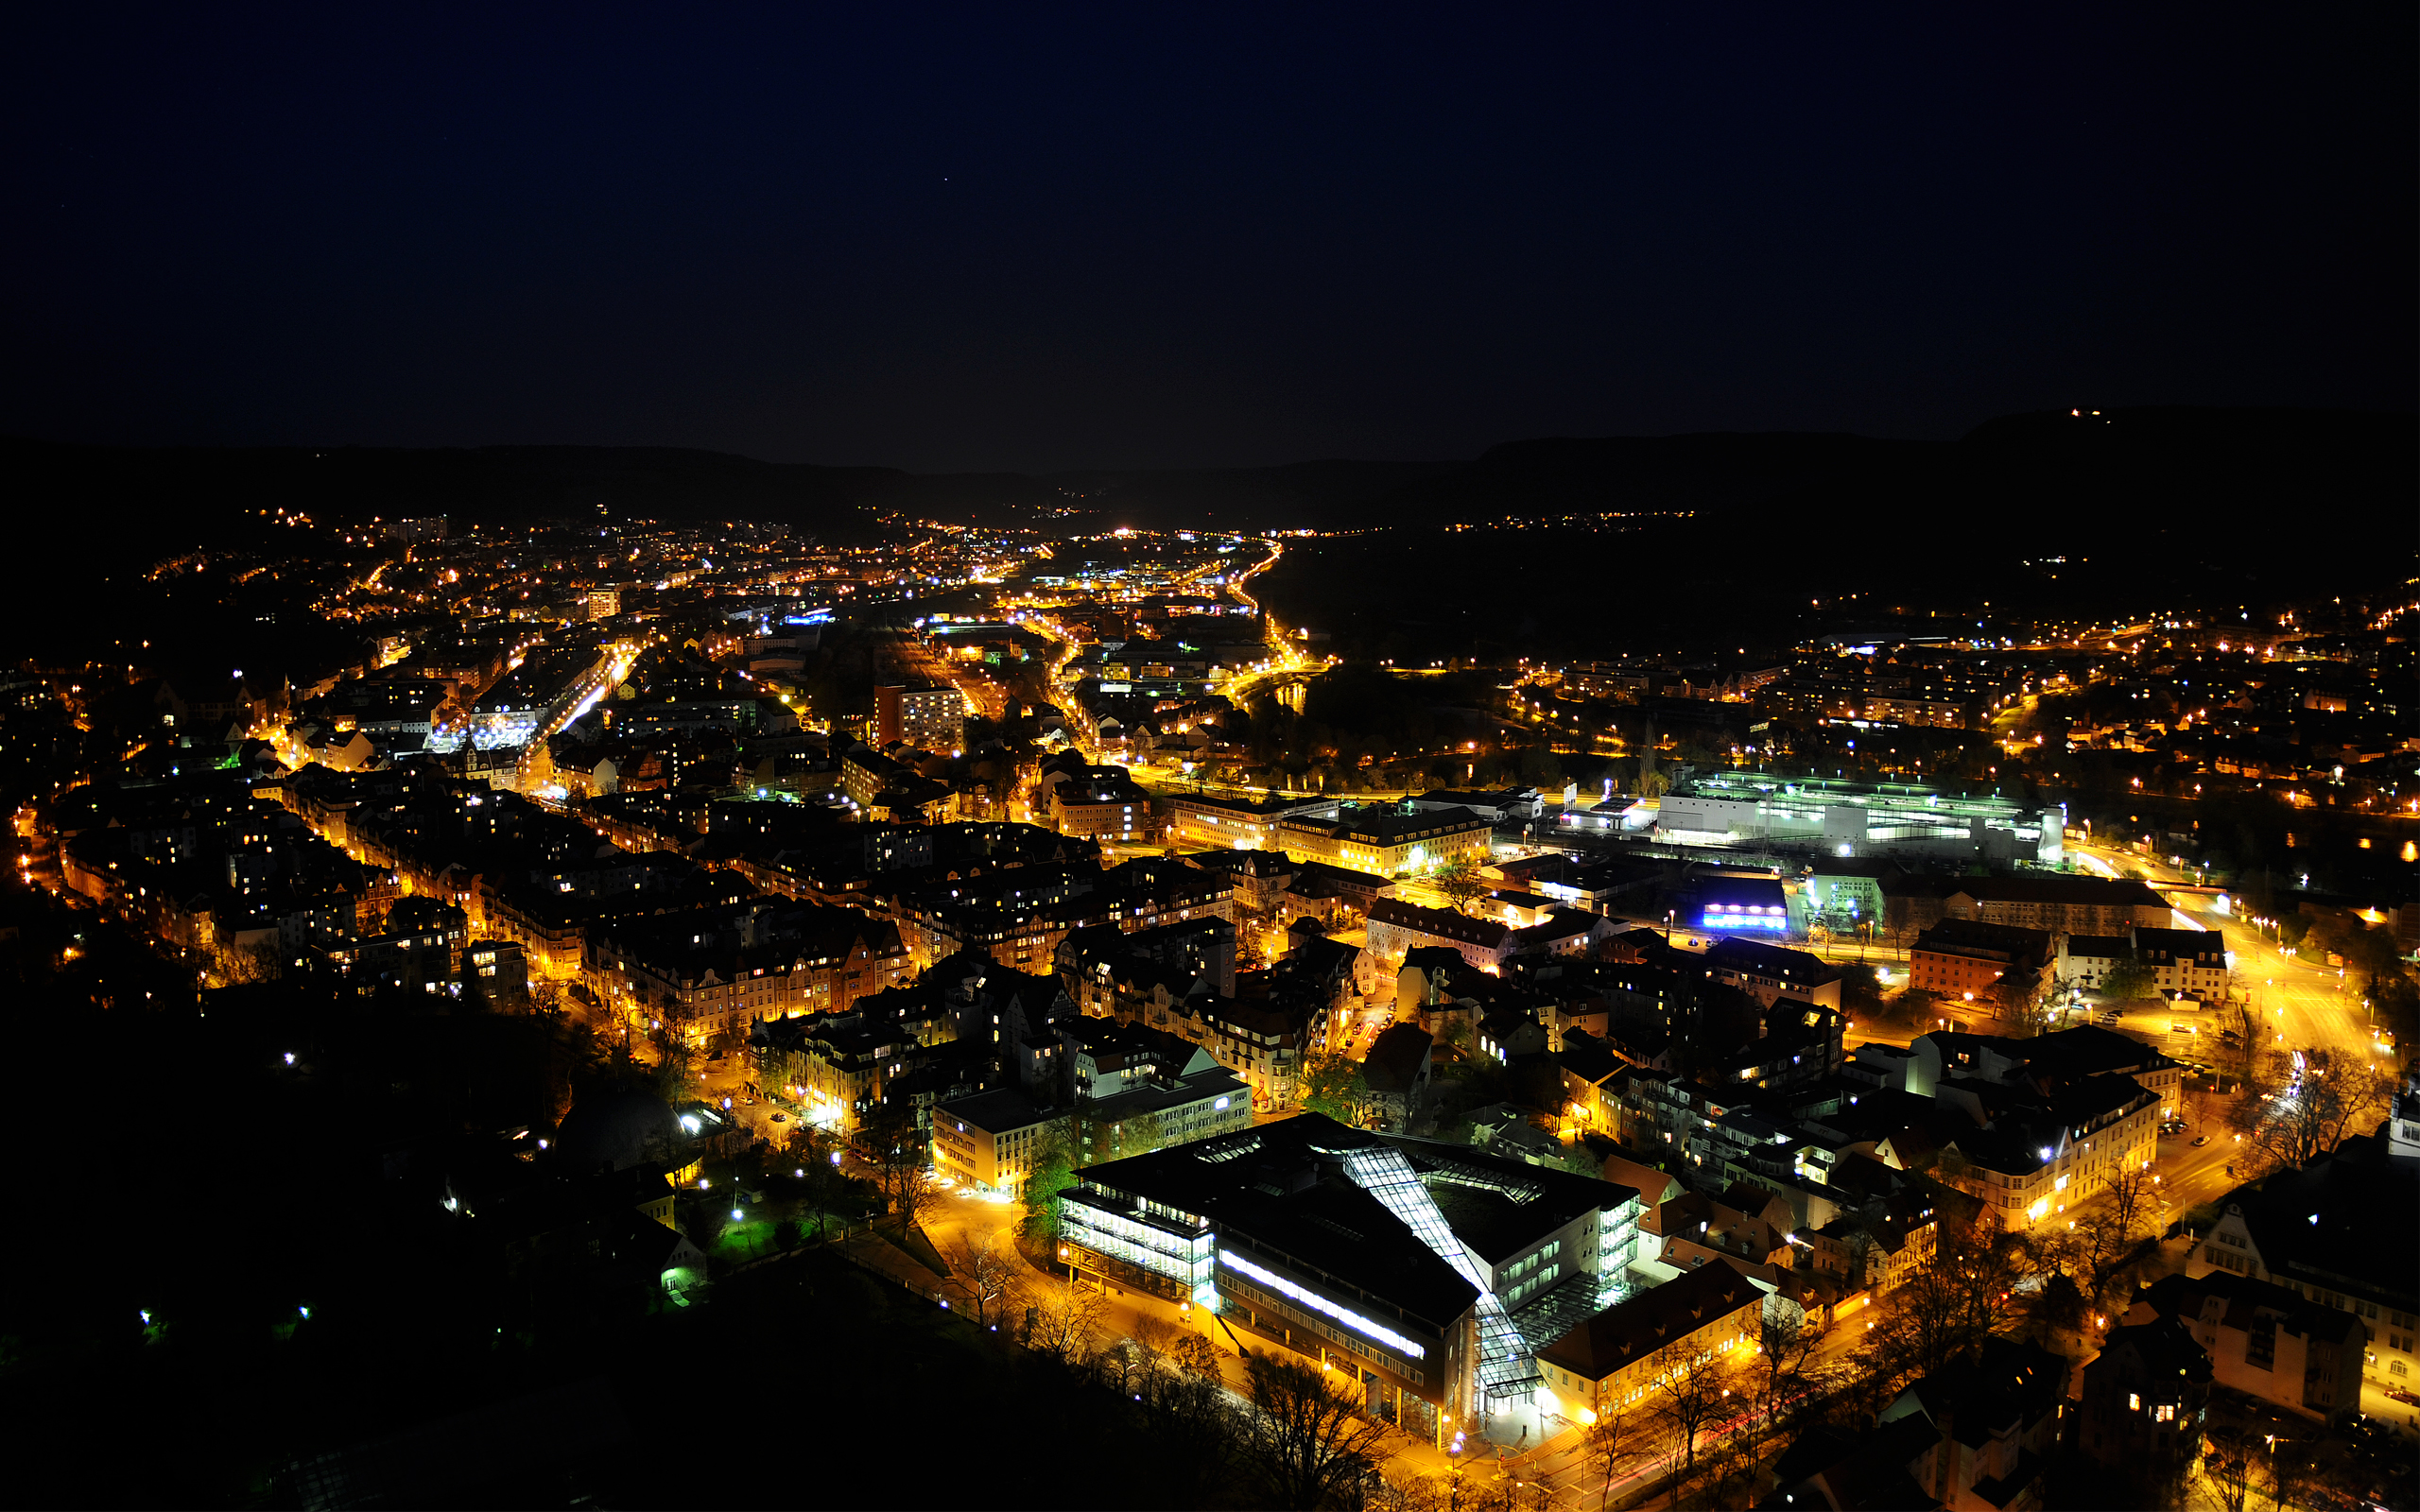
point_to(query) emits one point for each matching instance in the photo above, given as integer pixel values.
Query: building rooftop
(1279, 1187)
(1393, 1062)
(2031, 888)
(1441, 923)
(1756, 957)
(999, 1111)
(1632, 1330)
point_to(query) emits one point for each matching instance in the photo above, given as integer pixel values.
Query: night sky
(1039, 238)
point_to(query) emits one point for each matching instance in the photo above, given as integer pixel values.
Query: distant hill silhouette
(2137, 461)
(188, 493)
(2141, 509)
(2196, 503)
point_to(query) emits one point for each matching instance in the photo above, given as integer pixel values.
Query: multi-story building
(1614, 1361)
(1960, 958)
(1386, 841)
(1261, 877)
(1808, 814)
(1195, 1099)
(2339, 1232)
(1734, 904)
(929, 718)
(1111, 808)
(989, 1141)
(2055, 1116)
(1770, 973)
(1982, 1430)
(2040, 901)
(1237, 824)
(865, 772)
(2264, 1340)
(1409, 1266)
(1973, 961)
(1398, 928)
(1974, 1437)
(711, 971)
(2145, 1396)
(2184, 963)
(1019, 915)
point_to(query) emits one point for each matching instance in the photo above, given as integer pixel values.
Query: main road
(2302, 1006)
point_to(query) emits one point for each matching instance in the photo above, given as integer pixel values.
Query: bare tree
(1305, 1439)
(1785, 1337)
(1123, 1367)
(1414, 1493)
(2289, 1474)
(2226, 1481)
(1065, 1323)
(2239, 1056)
(2023, 1004)
(260, 962)
(1152, 1338)
(1196, 1436)
(2108, 1229)
(983, 1270)
(826, 1183)
(1609, 1445)
(1943, 1308)
(2301, 1105)
(1196, 1356)
(1693, 1389)
(1726, 1469)
(1860, 1245)
(914, 1193)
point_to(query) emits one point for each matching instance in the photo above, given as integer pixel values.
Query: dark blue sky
(1043, 237)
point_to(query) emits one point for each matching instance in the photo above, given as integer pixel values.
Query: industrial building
(1812, 816)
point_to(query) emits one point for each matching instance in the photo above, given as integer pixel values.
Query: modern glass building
(1431, 1273)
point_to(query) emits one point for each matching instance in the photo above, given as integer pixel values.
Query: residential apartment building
(1398, 928)
(1770, 973)
(2054, 1116)
(2144, 1398)
(712, 972)
(2266, 1341)
(1018, 916)
(1108, 809)
(2341, 1233)
(2188, 963)
(932, 718)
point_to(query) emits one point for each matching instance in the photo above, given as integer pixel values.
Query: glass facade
(1617, 1251)
(1147, 1236)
